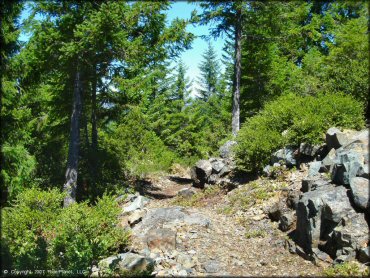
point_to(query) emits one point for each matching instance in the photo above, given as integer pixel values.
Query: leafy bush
(23, 226)
(291, 120)
(39, 234)
(347, 269)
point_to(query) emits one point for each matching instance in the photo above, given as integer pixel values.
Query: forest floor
(238, 242)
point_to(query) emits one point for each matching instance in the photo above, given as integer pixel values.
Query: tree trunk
(94, 130)
(237, 73)
(74, 144)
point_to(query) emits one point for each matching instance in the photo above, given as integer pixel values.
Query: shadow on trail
(180, 180)
(149, 189)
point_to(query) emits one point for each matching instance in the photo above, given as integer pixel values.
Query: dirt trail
(238, 244)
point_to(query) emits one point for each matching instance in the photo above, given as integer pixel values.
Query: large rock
(336, 138)
(319, 212)
(286, 156)
(360, 192)
(201, 172)
(226, 149)
(211, 171)
(129, 262)
(326, 218)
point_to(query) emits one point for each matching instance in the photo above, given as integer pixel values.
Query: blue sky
(191, 57)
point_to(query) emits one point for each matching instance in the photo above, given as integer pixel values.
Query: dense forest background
(90, 104)
(109, 63)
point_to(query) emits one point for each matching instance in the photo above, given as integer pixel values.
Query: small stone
(138, 203)
(186, 193)
(211, 266)
(174, 254)
(183, 273)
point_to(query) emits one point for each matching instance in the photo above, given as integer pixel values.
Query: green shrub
(347, 269)
(24, 225)
(39, 234)
(291, 120)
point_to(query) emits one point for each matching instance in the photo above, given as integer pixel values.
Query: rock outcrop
(211, 171)
(331, 214)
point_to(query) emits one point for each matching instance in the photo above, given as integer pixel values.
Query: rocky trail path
(202, 240)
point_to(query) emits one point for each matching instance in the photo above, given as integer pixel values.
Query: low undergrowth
(38, 233)
(347, 269)
(250, 194)
(199, 199)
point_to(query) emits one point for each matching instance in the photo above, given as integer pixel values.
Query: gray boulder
(319, 212)
(360, 192)
(326, 219)
(286, 156)
(226, 149)
(363, 255)
(125, 262)
(201, 172)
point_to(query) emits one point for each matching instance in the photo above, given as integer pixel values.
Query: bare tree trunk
(74, 144)
(94, 130)
(237, 73)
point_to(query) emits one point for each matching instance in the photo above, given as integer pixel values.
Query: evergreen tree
(182, 83)
(209, 74)
(228, 17)
(82, 59)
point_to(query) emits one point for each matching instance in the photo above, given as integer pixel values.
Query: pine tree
(228, 17)
(209, 74)
(182, 83)
(81, 56)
